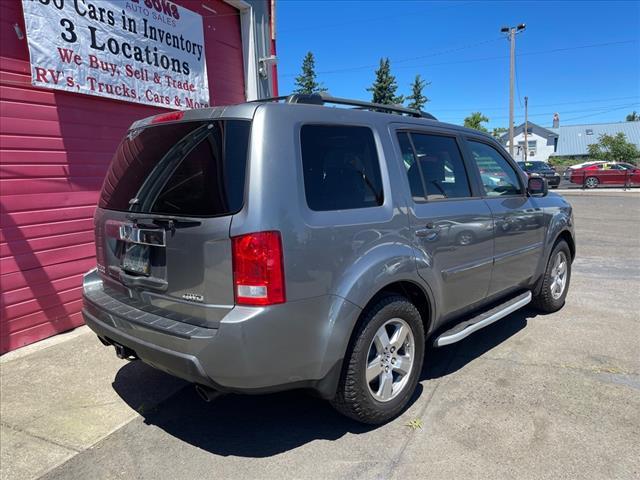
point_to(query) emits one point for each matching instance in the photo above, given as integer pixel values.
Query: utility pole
(526, 127)
(511, 35)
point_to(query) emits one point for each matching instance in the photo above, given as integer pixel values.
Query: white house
(568, 140)
(541, 142)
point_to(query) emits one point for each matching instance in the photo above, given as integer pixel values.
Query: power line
(601, 113)
(518, 81)
(595, 100)
(432, 54)
(543, 114)
(472, 60)
(539, 52)
(451, 50)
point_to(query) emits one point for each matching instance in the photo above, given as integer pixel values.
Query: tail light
(258, 272)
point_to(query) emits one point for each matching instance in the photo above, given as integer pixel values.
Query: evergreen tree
(384, 87)
(306, 82)
(417, 100)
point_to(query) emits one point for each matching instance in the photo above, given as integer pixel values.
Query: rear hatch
(162, 226)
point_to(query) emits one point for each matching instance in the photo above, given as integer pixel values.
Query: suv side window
(499, 178)
(341, 167)
(434, 166)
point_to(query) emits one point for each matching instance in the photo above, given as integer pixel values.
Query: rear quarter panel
(347, 254)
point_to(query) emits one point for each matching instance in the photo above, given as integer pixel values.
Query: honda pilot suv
(283, 244)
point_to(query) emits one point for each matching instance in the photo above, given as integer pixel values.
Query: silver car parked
(282, 244)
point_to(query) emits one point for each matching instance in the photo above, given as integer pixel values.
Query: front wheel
(555, 283)
(591, 182)
(383, 363)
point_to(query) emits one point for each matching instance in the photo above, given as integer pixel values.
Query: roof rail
(323, 98)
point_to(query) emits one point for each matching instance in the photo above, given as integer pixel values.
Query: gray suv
(284, 244)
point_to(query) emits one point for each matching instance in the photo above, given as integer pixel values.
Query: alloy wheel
(592, 182)
(390, 360)
(558, 275)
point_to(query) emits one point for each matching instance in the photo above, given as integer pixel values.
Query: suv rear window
(190, 169)
(341, 167)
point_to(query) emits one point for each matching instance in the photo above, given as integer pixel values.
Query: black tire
(546, 301)
(591, 182)
(353, 397)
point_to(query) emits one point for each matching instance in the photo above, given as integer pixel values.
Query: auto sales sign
(144, 51)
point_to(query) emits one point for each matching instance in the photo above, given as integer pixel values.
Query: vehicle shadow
(242, 425)
(443, 361)
(262, 426)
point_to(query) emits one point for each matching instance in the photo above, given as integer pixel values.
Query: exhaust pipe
(124, 353)
(207, 394)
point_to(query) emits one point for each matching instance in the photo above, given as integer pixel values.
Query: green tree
(614, 148)
(417, 100)
(306, 82)
(498, 131)
(633, 117)
(385, 86)
(475, 120)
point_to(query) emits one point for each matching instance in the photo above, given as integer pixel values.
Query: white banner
(144, 51)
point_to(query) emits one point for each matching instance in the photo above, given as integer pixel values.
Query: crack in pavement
(441, 379)
(39, 437)
(455, 354)
(562, 366)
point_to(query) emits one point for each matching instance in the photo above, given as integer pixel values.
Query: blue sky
(579, 58)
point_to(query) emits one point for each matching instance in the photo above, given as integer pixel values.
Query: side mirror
(537, 187)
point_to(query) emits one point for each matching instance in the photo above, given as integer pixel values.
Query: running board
(466, 328)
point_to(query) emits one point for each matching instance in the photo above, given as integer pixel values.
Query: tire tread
(544, 301)
(351, 399)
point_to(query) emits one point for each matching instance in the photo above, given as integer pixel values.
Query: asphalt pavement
(532, 396)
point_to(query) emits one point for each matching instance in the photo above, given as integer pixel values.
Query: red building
(55, 147)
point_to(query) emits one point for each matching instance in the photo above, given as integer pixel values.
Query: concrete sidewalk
(57, 400)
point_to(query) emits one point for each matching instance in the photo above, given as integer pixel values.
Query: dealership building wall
(55, 148)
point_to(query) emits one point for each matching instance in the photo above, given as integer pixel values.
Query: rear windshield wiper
(166, 221)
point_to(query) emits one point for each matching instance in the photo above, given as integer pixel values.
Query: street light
(511, 33)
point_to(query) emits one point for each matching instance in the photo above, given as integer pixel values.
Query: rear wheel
(383, 363)
(555, 283)
(591, 182)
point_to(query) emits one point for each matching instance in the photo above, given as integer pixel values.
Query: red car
(604, 173)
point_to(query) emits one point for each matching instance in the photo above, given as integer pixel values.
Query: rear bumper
(255, 350)
(176, 363)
